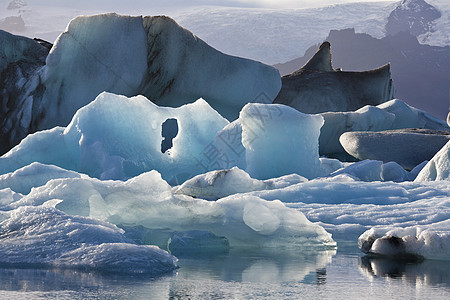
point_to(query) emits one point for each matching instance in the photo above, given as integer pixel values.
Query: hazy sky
(188, 3)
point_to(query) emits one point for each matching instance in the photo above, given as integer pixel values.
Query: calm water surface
(345, 274)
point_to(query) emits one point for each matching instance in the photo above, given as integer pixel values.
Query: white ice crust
(438, 168)
(148, 200)
(45, 236)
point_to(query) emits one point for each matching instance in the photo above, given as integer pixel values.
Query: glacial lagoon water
(341, 274)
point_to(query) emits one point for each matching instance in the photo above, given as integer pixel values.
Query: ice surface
(116, 137)
(33, 175)
(347, 207)
(438, 168)
(280, 140)
(147, 200)
(45, 236)
(375, 170)
(95, 54)
(222, 183)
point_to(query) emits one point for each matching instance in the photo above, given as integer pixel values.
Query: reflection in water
(235, 266)
(279, 266)
(427, 272)
(30, 280)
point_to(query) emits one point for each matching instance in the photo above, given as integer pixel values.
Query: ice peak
(321, 61)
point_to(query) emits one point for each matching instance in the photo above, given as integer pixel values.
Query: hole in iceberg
(169, 131)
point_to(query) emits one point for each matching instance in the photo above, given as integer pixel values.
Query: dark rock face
(20, 60)
(420, 72)
(317, 87)
(414, 16)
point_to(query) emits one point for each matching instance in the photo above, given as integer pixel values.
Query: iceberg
(150, 56)
(115, 137)
(317, 87)
(44, 236)
(147, 200)
(280, 140)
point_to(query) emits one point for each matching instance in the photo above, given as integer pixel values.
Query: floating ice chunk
(407, 147)
(375, 170)
(329, 165)
(430, 241)
(222, 183)
(33, 175)
(151, 56)
(336, 123)
(438, 168)
(394, 114)
(280, 140)
(367, 170)
(147, 200)
(392, 171)
(45, 236)
(116, 137)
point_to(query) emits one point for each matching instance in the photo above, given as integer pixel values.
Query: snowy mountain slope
(441, 34)
(275, 36)
(268, 35)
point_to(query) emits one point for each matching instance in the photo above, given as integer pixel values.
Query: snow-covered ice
(438, 168)
(222, 183)
(45, 236)
(147, 200)
(114, 138)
